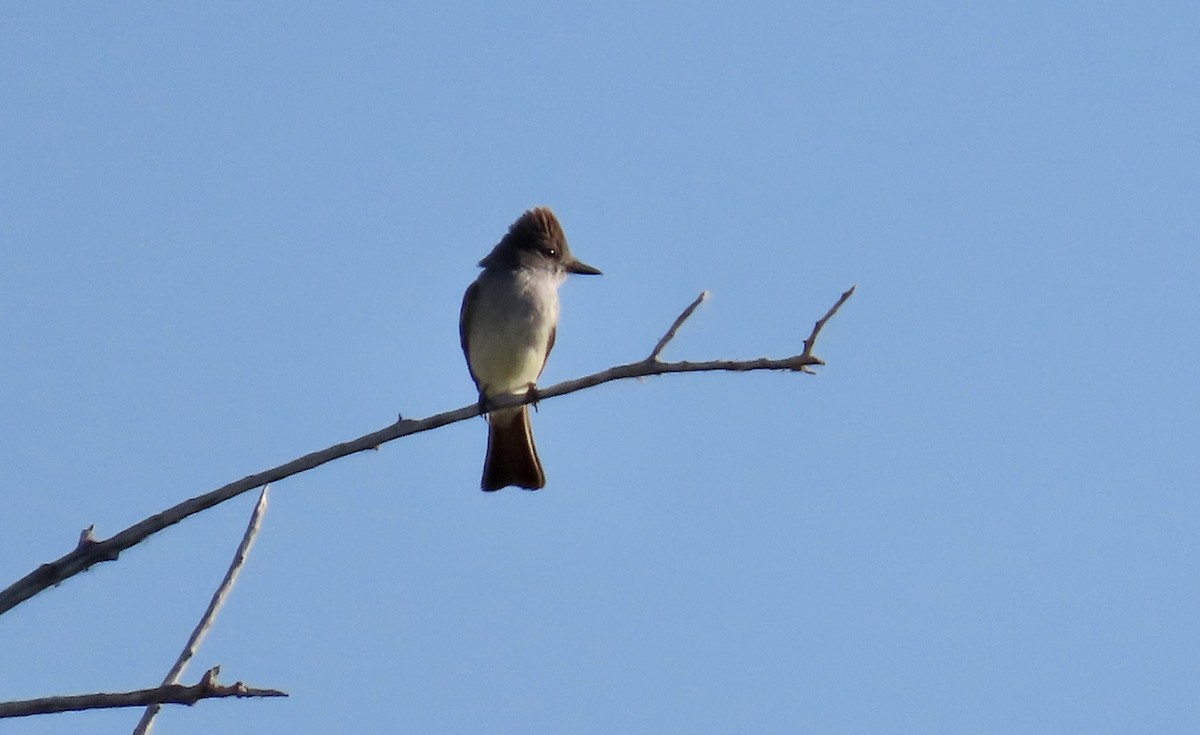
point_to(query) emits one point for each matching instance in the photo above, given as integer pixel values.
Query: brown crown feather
(537, 224)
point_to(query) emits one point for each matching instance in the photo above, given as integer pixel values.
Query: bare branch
(146, 724)
(812, 337)
(88, 555)
(207, 688)
(679, 320)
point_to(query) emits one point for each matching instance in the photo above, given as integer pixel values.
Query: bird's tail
(512, 459)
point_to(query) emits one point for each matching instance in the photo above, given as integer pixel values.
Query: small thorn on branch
(87, 543)
(87, 537)
(679, 320)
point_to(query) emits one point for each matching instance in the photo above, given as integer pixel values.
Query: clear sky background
(231, 235)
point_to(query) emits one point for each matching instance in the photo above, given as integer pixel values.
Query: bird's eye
(551, 251)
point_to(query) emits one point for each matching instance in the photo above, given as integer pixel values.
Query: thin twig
(207, 688)
(146, 724)
(816, 330)
(679, 320)
(87, 555)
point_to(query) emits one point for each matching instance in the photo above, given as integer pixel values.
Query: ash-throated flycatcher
(507, 326)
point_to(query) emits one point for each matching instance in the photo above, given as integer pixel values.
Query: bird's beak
(582, 269)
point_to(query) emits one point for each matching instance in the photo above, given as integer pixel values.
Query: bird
(507, 325)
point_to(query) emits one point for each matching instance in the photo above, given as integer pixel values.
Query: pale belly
(507, 354)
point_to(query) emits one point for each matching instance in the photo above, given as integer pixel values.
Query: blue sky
(232, 235)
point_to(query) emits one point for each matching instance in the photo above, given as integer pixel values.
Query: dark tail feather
(512, 458)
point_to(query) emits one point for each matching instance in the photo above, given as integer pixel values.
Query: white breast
(509, 329)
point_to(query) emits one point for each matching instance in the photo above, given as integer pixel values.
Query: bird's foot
(532, 394)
